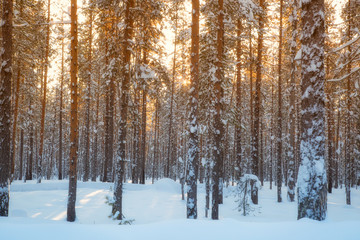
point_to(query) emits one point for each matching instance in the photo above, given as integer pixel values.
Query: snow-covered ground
(38, 211)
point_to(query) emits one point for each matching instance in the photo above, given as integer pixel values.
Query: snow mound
(167, 185)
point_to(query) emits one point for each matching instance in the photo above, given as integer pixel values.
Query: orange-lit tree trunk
(5, 105)
(43, 104)
(71, 215)
(60, 160)
(279, 119)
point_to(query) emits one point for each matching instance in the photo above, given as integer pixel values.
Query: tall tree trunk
(14, 129)
(312, 194)
(60, 160)
(43, 106)
(5, 105)
(271, 136)
(170, 139)
(279, 120)
(94, 162)
(193, 151)
(218, 123)
(348, 165)
(88, 106)
(120, 166)
(136, 142)
(292, 119)
(21, 157)
(156, 141)
(71, 215)
(143, 137)
(257, 102)
(29, 165)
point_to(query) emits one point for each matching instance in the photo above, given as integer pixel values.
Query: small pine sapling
(246, 186)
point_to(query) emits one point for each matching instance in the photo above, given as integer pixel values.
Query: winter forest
(242, 111)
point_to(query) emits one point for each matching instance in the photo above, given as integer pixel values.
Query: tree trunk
(193, 151)
(5, 105)
(348, 165)
(257, 102)
(71, 215)
(60, 160)
(218, 123)
(279, 120)
(88, 106)
(143, 137)
(43, 106)
(21, 157)
(292, 119)
(312, 194)
(120, 166)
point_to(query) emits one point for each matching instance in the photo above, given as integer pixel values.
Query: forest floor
(38, 211)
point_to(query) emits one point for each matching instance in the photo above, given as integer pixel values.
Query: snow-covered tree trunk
(218, 123)
(292, 110)
(312, 193)
(193, 152)
(71, 215)
(257, 100)
(5, 106)
(238, 131)
(121, 151)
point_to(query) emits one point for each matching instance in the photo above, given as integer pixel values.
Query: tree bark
(292, 113)
(193, 151)
(5, 105)
(121, 151)
(312, 193)
(88, 106)
(43, 106)
(218, 123)
(71, 215)
(279, 123)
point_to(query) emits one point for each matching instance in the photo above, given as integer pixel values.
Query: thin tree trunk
(348, 167)
(279, 123)
(193, 150)
(60, 160)
(143, 137)
(88, 106)
(292, 119)
(43, 106)
(94, 162)
(71, 215)
(21, 157)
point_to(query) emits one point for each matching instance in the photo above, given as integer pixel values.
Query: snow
(38, 211)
